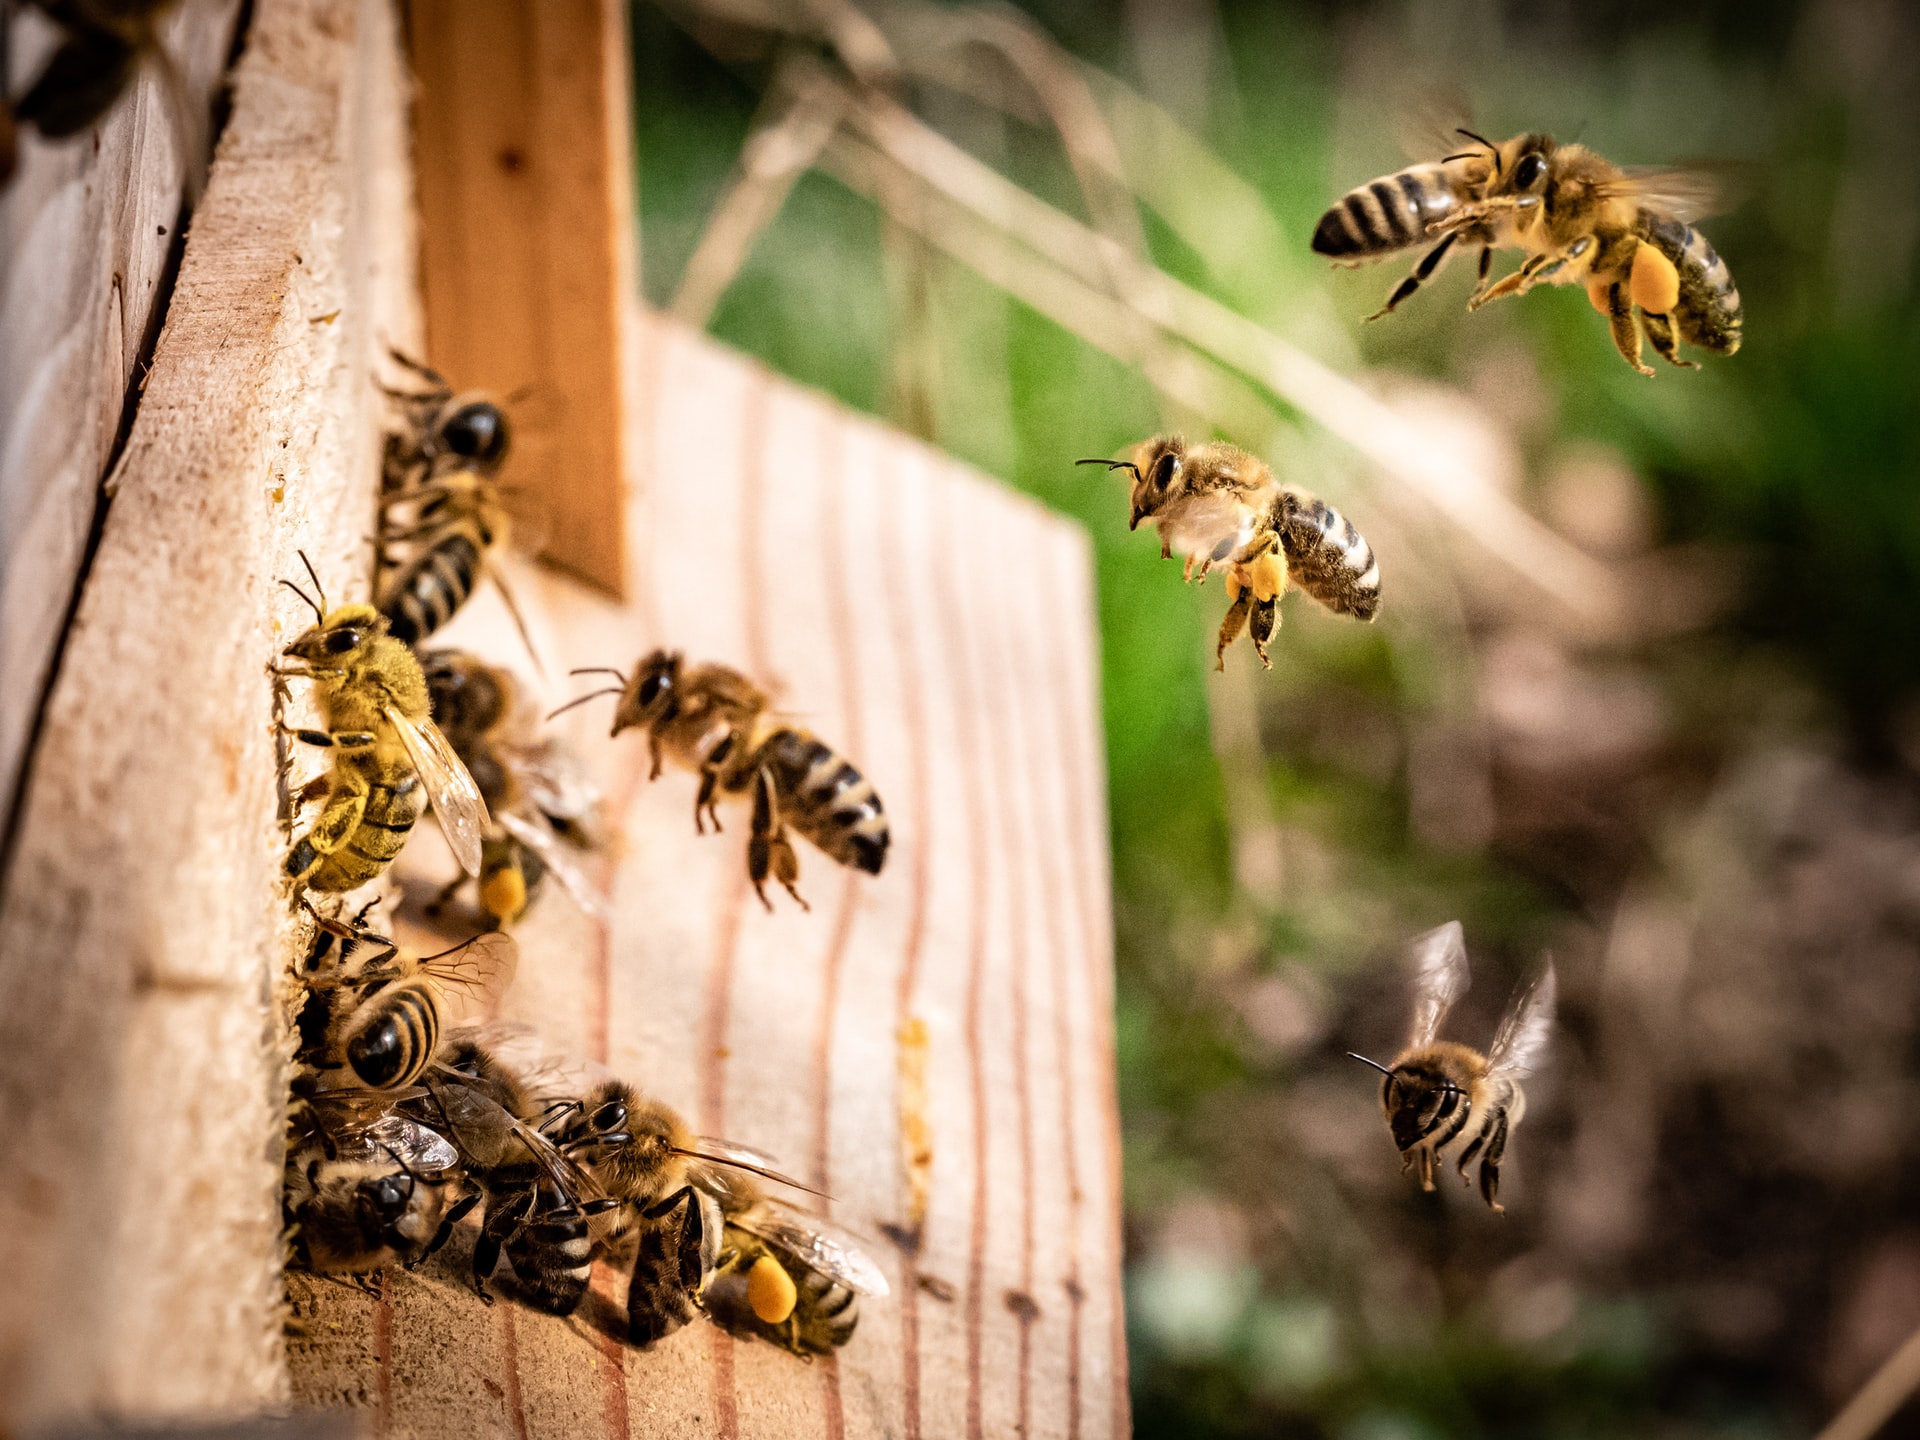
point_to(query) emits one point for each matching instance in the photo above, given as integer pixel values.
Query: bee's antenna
(405, 1169)
(314, 576)
(582, 699)
(599, 670)
(1492, 148)
(1113, 465)
(1365, 1061)
(321, 614)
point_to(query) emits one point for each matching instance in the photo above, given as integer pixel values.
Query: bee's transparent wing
(534, 833)
(472, 1119)
(717, 1153)
(1521, 1043)
(456, 800)
(1439, 979)
(1687, 193)
(414, 1145)
(818, 1245)
(546, 1074)
(559, 784)
(481, 967)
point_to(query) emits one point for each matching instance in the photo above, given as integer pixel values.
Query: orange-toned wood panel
(527, 251)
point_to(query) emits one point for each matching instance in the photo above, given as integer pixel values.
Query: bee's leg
(424, 371)
(1422, 272)
(1626, 329)
(312, 790)
(1426, 1167)
(453, 1217)
(1538, 267)
(1266, 620)
(703, 803)
(1166, 546)
(500, 1224)
(1236, 617)
(340, 819)
(1666, 345)
(768, 849)
(1221, 552)
(1486, 269)
(1490, 1167)
(653, 751)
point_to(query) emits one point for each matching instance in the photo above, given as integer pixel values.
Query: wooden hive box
(932, 1046)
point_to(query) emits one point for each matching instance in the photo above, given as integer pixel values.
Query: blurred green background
(1705, 810)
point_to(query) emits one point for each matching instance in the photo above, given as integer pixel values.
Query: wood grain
(88, 230)
(527, 265)
(938, 630)
(143, 921)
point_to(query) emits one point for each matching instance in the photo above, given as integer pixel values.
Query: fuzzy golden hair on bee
(1437, 1093)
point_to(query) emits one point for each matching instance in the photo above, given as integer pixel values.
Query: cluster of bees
(402, 1124)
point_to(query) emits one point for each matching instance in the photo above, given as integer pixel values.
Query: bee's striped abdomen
(831, 802)
(1708, 312)
(1327, 557)
(393, 1034)
(393, 806)
(552, 1253)
(431, 586)
(1387, 214)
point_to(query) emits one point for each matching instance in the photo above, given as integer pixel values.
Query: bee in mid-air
(1622, 233)
(103, 45)
(387, 751)
(544, 805)
(1439, 1091)
(443, 512)
(375, 1011)
(1214, 504)
(365, 1194)
(715, 721)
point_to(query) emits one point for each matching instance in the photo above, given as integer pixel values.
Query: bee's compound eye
(1527, 173)
(389, 1194)
(652, 687)
(611, 1116)
(339, 642)
(476, 432)
(1163, 471)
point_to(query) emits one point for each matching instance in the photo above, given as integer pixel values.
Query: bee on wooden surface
(365, 1193)
(791, 1280)
(376, 1010)
(716, 722)
(544, 805)
(1215, 504)
(389, 757)
(441, 429)
(1622, 233)
(103, 44)
(1439, 1091)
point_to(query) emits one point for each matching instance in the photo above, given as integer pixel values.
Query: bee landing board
(938, 1036)
(144, 918)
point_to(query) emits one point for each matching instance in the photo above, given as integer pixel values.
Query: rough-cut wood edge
(523, 151)
(143, 921)
(939, 630)
(88, 227)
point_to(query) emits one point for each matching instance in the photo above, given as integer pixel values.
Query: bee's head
(653, 694)
(469, 696)
(1523, 166)
(1415, 1097)
(340, 638)
(1155, 465)
(477, 432)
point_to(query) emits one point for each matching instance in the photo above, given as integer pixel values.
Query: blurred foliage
(1694, 1248)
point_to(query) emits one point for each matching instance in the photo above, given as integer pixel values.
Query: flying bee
(1214, 504)
(1439, 1091)
(376, 1010)
(1622, 233)
(361, 1196)
(387, 751)
(441, 430)
(104, 43)
(544, 805)
(443, 511)
(715, 721)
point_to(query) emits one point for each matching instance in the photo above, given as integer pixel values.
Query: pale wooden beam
(521, 142)
(940, 631)
(144, 920)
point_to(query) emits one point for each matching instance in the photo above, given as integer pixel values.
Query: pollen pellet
(504, 895)
(770, 1290)
(1655, 284)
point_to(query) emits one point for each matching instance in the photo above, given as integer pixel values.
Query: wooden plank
(939, 630)
(144, 920)
(88, 230)
(524, 159)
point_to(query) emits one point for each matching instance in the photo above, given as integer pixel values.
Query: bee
(441, 430)
(790, 1280)
(715, 721)
(542, 801)
(104, 43)
(361, 1196)
(1622, 233)
(1214, 504)
(539, 1201)
(376, 1010)
(1439, 1091)
(387, 752)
